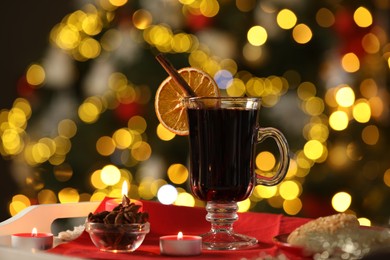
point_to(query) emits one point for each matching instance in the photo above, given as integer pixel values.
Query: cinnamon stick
(175, 75)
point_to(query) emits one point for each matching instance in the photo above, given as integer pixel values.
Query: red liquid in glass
(222, 153)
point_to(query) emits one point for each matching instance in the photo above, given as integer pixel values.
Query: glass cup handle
(266, 132)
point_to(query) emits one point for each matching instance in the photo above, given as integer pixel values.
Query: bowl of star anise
(121, 230)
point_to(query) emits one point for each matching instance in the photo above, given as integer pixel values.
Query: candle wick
(125, 201)
(180, 236)
(34, 232)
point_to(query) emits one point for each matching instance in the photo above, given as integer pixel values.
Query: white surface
(42, 217)
(7, 253)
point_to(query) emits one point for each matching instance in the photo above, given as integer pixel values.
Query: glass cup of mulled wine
(223, 135)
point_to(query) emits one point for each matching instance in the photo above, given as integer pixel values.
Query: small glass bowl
(117, 238)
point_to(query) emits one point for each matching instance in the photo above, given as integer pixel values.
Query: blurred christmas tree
(85, 120)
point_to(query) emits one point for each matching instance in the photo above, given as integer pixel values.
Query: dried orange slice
(168, 102)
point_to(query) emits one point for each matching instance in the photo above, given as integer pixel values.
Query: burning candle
(112, 203)
(181, 245)
(32, 241)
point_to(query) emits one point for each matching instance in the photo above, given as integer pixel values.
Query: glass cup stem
(222, 215)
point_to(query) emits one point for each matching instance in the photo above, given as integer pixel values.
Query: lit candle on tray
(32, 241)
(112, 203)
(181, 245)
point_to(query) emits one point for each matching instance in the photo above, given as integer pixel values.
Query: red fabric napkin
(169, 220)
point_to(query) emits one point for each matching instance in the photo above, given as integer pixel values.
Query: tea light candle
(32, 241)
(181, 245)
(112, 203)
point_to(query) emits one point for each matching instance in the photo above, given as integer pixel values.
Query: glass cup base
(222, 236)
(225, 240)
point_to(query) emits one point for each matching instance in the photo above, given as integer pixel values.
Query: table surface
(170, 219)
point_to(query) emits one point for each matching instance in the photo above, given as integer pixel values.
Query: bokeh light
(46, 196)
(142, 19)
(350, 62)
(371, 43)
(164, 134)
(110, 175)
(18, 203)
(167, 194)
(286, 19)
(177, 173)
(257, 35)
(364, 222)
(244, 206)
(265, 161)
(302, 33)
(118, 2)
(209, 8)
(362, 17)
(325, 17)
(313, 149)
(345, 96)
(289, 190)
(341, 201)
(35, 75)
(338, 120)
(292, 207)
(370, 135)
(386, 177)
(89, 112)
(68, 195)
(67, 128)
(361, 111)
(105, 145)
(185, 199)
(123, 138)
(261, 191)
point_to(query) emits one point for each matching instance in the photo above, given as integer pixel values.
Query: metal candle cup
(112, 203)
(32, 241)
(181, 245)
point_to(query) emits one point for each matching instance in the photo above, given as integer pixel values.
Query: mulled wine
(222, 152)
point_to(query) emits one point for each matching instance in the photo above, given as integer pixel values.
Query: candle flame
(34, 232)
(180, 235)
(125, 189)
